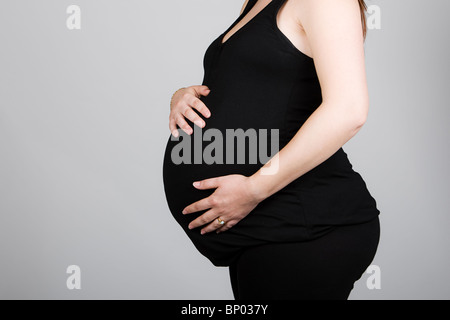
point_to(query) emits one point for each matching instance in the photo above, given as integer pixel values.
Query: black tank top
(260, 80)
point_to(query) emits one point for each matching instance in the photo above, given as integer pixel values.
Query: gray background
(84, 123)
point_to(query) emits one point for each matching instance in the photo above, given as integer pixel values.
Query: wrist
(256, 188)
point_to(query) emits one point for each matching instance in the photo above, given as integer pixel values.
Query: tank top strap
(275, 6)
(250, 4)
(248, 7)
(266, 14)
(271, 8)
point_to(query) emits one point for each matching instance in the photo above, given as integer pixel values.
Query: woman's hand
(234, 198)
(182, 104)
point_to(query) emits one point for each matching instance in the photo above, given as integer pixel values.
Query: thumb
(199, 90)
(204, 90)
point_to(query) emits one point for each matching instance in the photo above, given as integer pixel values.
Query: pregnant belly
(329, 195)
(270, 221)
(233, 141)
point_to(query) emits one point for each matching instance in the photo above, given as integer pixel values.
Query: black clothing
(260, 80)
(321, 269)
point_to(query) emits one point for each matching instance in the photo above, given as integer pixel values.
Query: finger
(227, 226)
(207, 183)
(199, 205)
(201, 90)
(193, 116)
(183, 124)
(205, 90)
(173, 127)
(199, 105)
(205, 218)
(212, 226)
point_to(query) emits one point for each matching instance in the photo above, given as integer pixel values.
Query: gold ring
(220, 221)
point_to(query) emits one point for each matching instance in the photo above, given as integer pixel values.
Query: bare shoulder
(335, 36)
(329, 10)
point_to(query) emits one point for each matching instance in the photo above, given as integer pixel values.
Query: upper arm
(243, 6)
(334, 32)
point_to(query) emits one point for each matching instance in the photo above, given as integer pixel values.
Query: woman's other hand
(182, 106)
(234, 198)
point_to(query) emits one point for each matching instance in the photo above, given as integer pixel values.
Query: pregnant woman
(288, 79)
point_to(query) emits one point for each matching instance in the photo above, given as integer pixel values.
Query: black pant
(324, 268)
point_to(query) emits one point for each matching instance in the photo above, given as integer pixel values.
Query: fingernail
(196, 184)
(184, 211)
(189, 226)
(175, 134)
(208, 114)
(199, 123)
(202, 232)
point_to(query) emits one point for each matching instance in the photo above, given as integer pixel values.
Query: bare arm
(334, 33)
